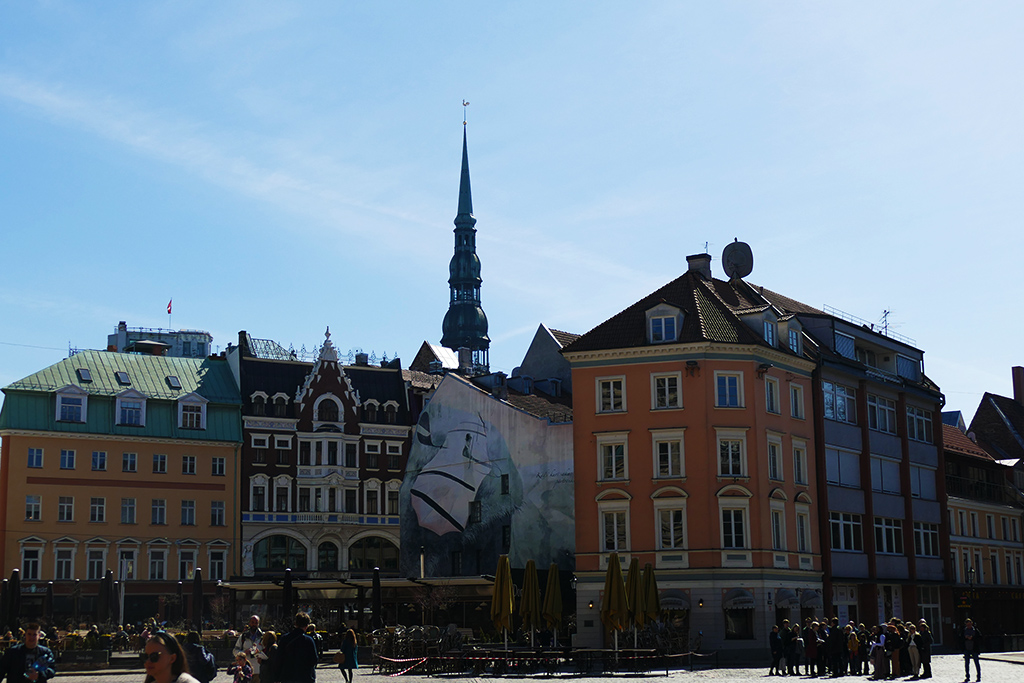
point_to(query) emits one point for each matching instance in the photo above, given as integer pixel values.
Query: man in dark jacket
(971, 637)
(28, 661)
(201, 663)
(298, 654)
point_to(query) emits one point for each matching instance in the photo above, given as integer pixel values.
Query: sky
(280, 167)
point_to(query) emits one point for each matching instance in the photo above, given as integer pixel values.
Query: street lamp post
(970, 591)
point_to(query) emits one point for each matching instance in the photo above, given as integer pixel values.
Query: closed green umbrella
(501, 601)
(652, 603)
(529, 603)
(552, 610)
(634, 597)
(614, 610)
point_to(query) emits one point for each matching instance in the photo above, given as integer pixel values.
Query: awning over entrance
(738, 598)
(674, 598)
(785, 598)
(811, 597)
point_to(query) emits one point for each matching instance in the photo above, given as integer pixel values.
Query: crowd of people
(259, 656)
(896, 649)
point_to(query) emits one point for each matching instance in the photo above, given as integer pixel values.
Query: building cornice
(709, 351)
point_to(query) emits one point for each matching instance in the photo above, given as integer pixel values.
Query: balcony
(975, 489)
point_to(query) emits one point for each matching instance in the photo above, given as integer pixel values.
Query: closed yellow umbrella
(501, 601)
(553, 600)
(634, 593)
(529, 603)
(652, 603)
(614, 610)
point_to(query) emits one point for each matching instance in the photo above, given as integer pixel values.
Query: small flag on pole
(169, 306)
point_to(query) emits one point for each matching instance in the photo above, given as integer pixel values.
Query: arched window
(259, 405)
(390, 414)
(373, 551)
(279, 552)
(371, 412)
(281, 407)
(328, 411)
(327, 557)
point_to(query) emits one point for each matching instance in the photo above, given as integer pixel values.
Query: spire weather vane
(464, 105)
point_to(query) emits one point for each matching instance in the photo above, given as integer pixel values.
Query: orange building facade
(694, 451)
(122, 462)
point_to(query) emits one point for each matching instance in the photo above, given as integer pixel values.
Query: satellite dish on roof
(738, 260)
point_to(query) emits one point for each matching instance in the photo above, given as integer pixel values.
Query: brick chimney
(700, 263)
(1018, 383)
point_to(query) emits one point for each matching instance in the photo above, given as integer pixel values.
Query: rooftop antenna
(885, 322)
(705, 247)
(464, 105)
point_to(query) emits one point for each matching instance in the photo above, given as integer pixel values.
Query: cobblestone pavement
(945, 669)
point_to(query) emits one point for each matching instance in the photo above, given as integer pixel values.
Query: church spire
(465, 324)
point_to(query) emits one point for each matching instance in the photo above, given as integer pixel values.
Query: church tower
(465, 324)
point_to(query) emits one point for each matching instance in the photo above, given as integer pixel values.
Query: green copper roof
(211, 379)
(30, 403)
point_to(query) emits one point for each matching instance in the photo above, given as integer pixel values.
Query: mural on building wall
(482, 474)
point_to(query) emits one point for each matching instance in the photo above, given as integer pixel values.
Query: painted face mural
(484, 479)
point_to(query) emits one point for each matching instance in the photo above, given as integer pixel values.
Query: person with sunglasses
(165, 661)
(28, 661)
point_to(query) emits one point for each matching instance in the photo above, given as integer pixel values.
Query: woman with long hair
(350, 650)
(164, 660)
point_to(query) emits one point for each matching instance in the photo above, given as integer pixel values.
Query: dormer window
(84, 375)
(663, 329)
(72, 404)
(846, 346)
(795, 344)
(770, 334)
(259, 403)
(280, 406)
(663, 324)
(192, 411)
(122, 378)
(131, 409)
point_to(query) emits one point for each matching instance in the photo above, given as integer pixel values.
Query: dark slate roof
(709, 308)
(563, 338)
(998, 424)
(272, 377)
(785, 303)
(383, 384)
(955, 441)
(555, 409)
(422, 380)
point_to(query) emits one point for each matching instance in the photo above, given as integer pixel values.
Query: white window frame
(800, 462)
(852, 521)
(159, 463)
(72, 393)
(64, 547)
(772, 399)
(157, 560)
(776, 466)
(31, 566)
(881, 414)
(778, 525)
(99, 461)
(668, 436)
(727, 375)
(803, 529)
(129, 505)
(34, 458)
(188, 464)
(134, 396)
(127, 459)
(218, 466)
(154, 519)
(192, 400)
(188, 512)
(919, 424)
(223, 513)
(796, 401)
(922, 482)
(888, 536)
(734, 505)
(67, 458)
(661, 313)
(771, 333)
(731, 435)
(926, 539)
(796, 344)
(612, 406)
(656, 392)
(188, 559)
(613, 507)
(33, 508)
(610, 440)
(65, 508)
(100, 563)
(217, 560)
(670, 506)
(97, 509)
(839, 393)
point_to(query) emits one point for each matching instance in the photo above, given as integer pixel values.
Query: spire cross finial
(464, 105)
